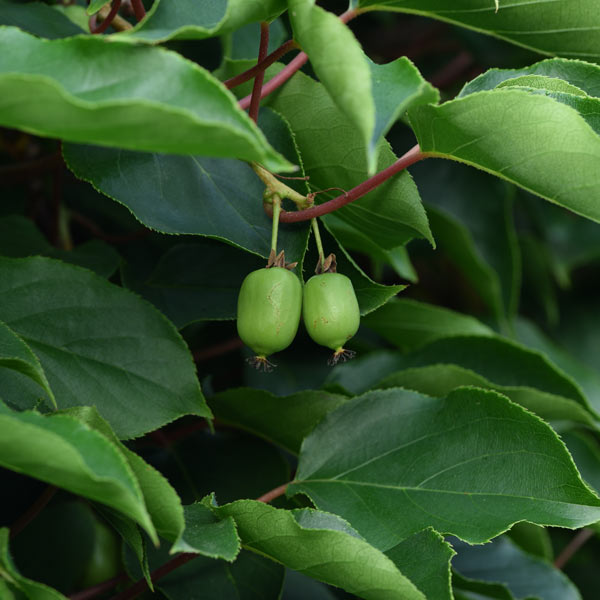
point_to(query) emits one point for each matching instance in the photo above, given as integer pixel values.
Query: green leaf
(470, 589)
(162, 502)
(420, 462)
(190, 21)
(340, 64)
(586, 454)
(285, 421)
(208, 535)
(15, 581)
(37, 18)
(242, 44)
(189, 283)
(525, 376)
(582, 75)
(19, 237)
(425, 558)
(528, 334)
(332, 556)
(495, 131)
(533, 539)
(546, 28)
(83, 461)
(397, 86)
(95, 5)
(333, 155)
(189, 110)
(471, 218)
(409, 324)
(16, 354)
(526, 576)
(100, 345)
(57, 546)
(217, 198)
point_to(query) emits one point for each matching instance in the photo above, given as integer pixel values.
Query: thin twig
(272, 494)
(99, 588)
(260, 76)
(575, 544)
(107, 18)
(263, 65)
(410, 158)
(289, 69)
(33, 511)
(138, 9)
(218, 349)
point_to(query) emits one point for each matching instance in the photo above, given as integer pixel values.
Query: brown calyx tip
(329, 265)
(341, 354)
(278, 260)
(260, 363)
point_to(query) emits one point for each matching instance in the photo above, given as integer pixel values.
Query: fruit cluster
(271, 301)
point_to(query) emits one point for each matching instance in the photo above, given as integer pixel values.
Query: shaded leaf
(19, 586)
(189, 110)
(328, 555)
(37, 18)
(526, 576)
(420, 462)
(216, 198)
(100, 345)
(84, 461)
(285, 421)
(533, 539)
(409, 324)
(16, 354)
(548, 28)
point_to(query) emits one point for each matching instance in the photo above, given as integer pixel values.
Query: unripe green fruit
(269, 307)
(330, 310)
(105, 561)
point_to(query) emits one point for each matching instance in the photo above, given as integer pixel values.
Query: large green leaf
(88, 101)
(162, 502)
(585, 76)
(100, 345)
(16, 354)
(37, 18)
(421, 462)
(188, 20)
(425, 558)
(526, 576)
(208, 535)
(83, 461)
(195, 281)
(285, 421)
(321, 546)
(339, 63)
(409, 324)
(334, 155)
(566, 27)
(217, 198)
(13, 585)
(520, 137)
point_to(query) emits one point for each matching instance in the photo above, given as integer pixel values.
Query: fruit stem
(315, 227)
(275, 187)
(275, 229)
